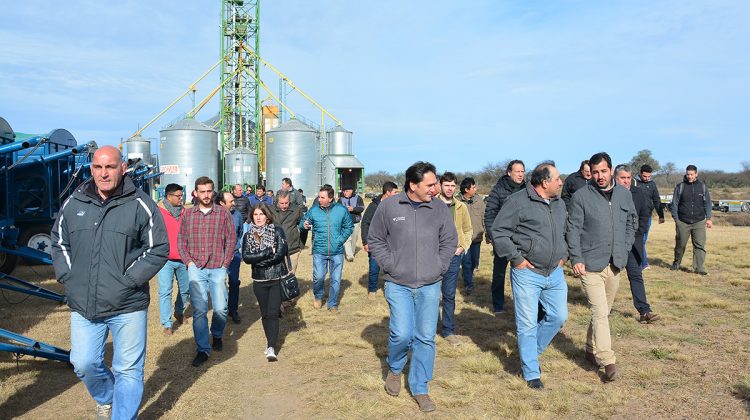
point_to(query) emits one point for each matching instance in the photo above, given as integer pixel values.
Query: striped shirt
(207, 239)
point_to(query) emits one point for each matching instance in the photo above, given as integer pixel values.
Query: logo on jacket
(399, 219)
(81, 213)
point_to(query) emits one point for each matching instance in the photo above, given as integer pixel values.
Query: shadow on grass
(175, 375)
(658, 262)
(53, 378)
(377, 335)
(492, 334)
(741, 391)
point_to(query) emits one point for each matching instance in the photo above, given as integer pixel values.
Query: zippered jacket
(476, 208)
(367, 217)
(106, 252)
(357, 205)
(573, 183)
(462, 220)
(528, 227)
(500, 192)
(691, 202)
(288, 220)
(331, 227)
(600, 231)
(652, 192)
(413, 246)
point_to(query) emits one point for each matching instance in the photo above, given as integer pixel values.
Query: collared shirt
(207, 240)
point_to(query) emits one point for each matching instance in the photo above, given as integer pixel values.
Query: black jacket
(500, 192)
(367, 218)
(357, 208)
(642, 202)
(267, 264)
(105, 253)
(691, 202)
(652, 194)
(573, 183)
(242, 205)
(288, 220)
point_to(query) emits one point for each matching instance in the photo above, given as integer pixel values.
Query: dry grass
(692, 363)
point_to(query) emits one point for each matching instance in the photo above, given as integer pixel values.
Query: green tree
(644, 157)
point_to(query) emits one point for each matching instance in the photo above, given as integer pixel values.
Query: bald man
(109, 240)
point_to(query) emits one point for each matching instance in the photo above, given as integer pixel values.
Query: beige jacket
(462, 219)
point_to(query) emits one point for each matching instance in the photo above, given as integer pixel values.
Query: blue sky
(460, 84)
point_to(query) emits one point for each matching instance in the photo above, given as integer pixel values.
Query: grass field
(695, 362)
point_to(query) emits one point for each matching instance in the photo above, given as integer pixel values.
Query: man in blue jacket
(331, 226)
(413, 238)
(108, 241)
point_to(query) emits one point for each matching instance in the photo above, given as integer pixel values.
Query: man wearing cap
(355, 206)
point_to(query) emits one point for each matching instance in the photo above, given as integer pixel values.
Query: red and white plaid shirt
(207, 240)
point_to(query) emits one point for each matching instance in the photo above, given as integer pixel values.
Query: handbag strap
(288, 262)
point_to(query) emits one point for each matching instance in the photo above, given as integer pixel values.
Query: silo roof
(339, 128)
(345, 161)
(241, 150)
(189, 124)
(293, 125)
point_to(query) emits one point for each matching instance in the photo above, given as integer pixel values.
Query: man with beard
(691, 211)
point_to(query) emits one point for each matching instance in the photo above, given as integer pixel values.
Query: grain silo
(241, 167)
(293, 151)
(189, 150)
(340, 167)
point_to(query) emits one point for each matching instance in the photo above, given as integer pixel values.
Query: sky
(460, 84)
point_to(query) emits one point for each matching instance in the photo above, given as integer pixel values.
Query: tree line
(666, 175)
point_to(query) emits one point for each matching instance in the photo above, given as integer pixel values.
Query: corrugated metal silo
(138, 148)
(339, 141)
(241, 167)
(293, 151)
(6, 132)
(189, 150)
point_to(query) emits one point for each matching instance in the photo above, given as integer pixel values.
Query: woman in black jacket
(264, 247)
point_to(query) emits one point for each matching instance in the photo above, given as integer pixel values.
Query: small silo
(138, 147)
(340, 167)
(241, 167)
(188, 150)
(6, 132)
(293, 151)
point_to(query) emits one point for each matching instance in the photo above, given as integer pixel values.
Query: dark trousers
(637, 287)
(234, 283)
(469, 263)
(499, 267)
(372, 276)
(268, 294)
(303, 237)
(450, 281)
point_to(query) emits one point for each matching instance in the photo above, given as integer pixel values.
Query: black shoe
(200, 358)
(235, 317)
(675, 267)
(535, 384)
(702, 273)
(217, 344)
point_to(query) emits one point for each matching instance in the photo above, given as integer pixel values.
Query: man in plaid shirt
(206, 243)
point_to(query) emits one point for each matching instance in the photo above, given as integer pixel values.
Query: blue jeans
(414, 317)
(323, 264)
(372, 276)
(645, 238)
(123, 385)
(469, 263)
(450, 281)
(166, 283)
(234, 282)
(202, 282)
(529, 291)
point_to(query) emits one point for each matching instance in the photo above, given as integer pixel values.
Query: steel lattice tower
(240, 106)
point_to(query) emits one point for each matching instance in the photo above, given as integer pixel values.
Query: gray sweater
(528, 227)
(414, 246)
(599, 231)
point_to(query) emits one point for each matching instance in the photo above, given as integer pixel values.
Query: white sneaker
(271, 354)
(103, 411)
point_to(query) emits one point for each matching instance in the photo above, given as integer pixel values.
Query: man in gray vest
(600, 233)
(691, 211)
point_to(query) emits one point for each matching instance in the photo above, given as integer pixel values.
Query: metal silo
(339, 141)
(189, 150)
(293, 151)
(241, 167)
(6, 132)
(138, 148)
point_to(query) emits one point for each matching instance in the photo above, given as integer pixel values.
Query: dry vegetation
(693, 363)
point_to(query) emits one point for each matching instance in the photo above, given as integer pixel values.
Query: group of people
(110, 239)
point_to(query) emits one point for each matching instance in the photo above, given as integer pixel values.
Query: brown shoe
(317, 304)
(592, 359)
(168, 331)
(334, 310)
(610, 372)
(648, 318)
(425, 403)
(179, 319)
(393, 384)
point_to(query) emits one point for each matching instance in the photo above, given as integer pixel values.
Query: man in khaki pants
(600, 232)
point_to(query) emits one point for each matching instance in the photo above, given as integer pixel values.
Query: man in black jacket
(691, 211)
(634, 267)
(389, 189)
(654, 202)
(575, 181)
(509, 183)
(241, 202)
(108, 241)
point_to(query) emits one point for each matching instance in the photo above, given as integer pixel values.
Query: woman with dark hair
(264, 247)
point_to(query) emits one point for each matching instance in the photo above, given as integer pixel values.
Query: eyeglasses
(177, 195)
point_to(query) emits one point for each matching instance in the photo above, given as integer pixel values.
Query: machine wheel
(7, 263)
(36, 237)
